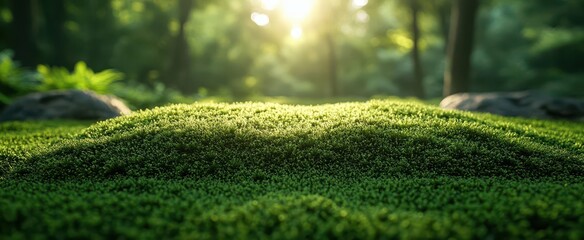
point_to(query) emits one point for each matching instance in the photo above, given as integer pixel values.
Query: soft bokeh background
(152, 52)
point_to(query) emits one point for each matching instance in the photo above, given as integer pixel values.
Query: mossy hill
(379, 169)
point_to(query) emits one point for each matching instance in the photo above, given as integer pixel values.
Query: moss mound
(374, 170)
(19, 141)
(259, 141)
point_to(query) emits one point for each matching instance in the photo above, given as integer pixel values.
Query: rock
(64, 104)
(517, 104)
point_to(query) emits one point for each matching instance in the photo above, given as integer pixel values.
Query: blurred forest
(302, 48)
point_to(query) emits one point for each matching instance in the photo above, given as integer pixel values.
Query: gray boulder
(517, 104)
(64, 104)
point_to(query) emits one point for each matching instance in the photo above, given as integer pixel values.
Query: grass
(380, 169)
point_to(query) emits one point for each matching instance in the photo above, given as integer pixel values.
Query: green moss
(374, 139)
(380, 169)
(20, 140)
(293, 208)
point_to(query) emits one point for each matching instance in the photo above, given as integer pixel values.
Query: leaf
(82, 78)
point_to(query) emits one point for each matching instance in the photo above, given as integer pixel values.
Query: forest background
(151, 51)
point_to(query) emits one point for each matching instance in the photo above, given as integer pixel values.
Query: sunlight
(296, 10)
(270, 4)
(401, 39)
(260, 19)
(359, 3)
(296, 32)
(362, 16)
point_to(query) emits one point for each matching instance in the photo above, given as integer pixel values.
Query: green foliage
(139, 96)
(381, 169)
(82, 78)
(519, 45)
(14, 80)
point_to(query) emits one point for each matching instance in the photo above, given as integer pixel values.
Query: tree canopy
(304, 48)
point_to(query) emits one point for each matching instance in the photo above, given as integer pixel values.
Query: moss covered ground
(375, 170)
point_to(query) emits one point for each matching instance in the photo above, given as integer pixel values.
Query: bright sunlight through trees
(296, 12)
(260, 19)
(296, 32)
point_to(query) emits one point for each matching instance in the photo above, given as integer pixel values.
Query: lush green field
(381, 169)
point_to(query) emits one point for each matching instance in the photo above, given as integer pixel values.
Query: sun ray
(296, 10)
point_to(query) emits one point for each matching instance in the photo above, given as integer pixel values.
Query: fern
(82, 78)
(14, 80)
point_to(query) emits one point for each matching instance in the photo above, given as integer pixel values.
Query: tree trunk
(418, 71)
(458, 65)
(55, 16)
(179, 68)
(332, 65)
(22, 39)
(443, 12)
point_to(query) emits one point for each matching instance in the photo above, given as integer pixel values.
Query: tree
(25, 50)
(460, 45)
(418, 72)
(412, 10)
(55, 16)
(332, 63)
(331, 13)
(179, 66)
